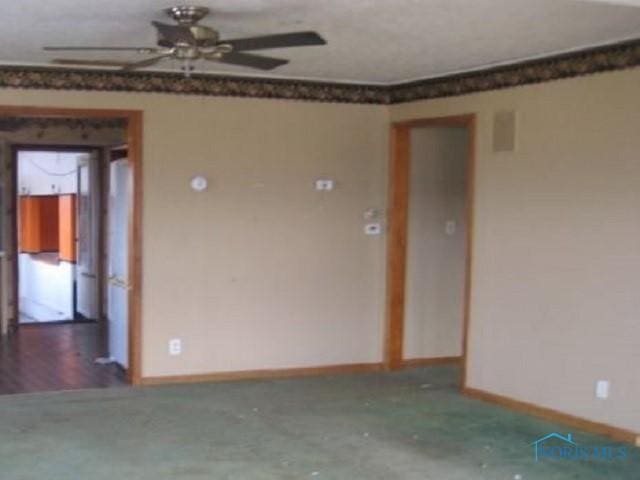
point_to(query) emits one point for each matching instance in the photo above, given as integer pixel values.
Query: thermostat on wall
(324, 184)
(199, 183)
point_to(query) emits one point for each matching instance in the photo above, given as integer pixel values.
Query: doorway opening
(70, 263)
(429, 249)
(59, 234)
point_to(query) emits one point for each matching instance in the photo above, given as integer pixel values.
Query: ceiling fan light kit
(187, 42)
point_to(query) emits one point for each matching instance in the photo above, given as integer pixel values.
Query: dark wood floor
(49, 357)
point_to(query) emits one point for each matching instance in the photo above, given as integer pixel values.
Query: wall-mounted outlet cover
(324, 184)
(175, 346)
(373, 229)
(602, 389)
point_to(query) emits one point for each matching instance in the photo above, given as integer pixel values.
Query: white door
(87, 234)
(118, 255)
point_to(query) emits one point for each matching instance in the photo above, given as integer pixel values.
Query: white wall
(434, 304)
(46, 288)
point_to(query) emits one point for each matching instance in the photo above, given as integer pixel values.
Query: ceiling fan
(187, 41)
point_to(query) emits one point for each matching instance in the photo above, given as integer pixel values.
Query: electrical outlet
(175, 346)
(602, 389)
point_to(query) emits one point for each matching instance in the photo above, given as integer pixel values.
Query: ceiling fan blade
(249, 60)
(144, 63)
(95, 63)
(105, 49)
(282, 40)
(170, 35)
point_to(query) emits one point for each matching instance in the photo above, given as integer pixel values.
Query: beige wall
(556, 269)
(435, 258)
(260, 271)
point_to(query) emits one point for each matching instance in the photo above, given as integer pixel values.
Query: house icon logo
(558, 447)
(539, 444)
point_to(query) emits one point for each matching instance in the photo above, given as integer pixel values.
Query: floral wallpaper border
(613, 57)
(198, 84)
(13, 124)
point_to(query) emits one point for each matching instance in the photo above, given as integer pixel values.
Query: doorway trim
(398, 201)
(134, 120)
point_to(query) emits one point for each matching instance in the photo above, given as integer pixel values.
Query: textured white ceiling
(618, 2)
(374, 41)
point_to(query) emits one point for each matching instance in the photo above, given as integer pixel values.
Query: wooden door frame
(134, 140)
(399, 176)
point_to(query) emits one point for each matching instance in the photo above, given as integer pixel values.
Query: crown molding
(585, 62)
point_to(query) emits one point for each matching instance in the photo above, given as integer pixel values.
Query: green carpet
(407, 425)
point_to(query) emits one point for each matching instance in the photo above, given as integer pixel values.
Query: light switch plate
(602, 389)
(175, 346)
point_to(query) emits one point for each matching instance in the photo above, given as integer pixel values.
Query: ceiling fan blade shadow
(171, 35)
(104, 49)
(281, 40)
(144, 63)
(248, 60)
